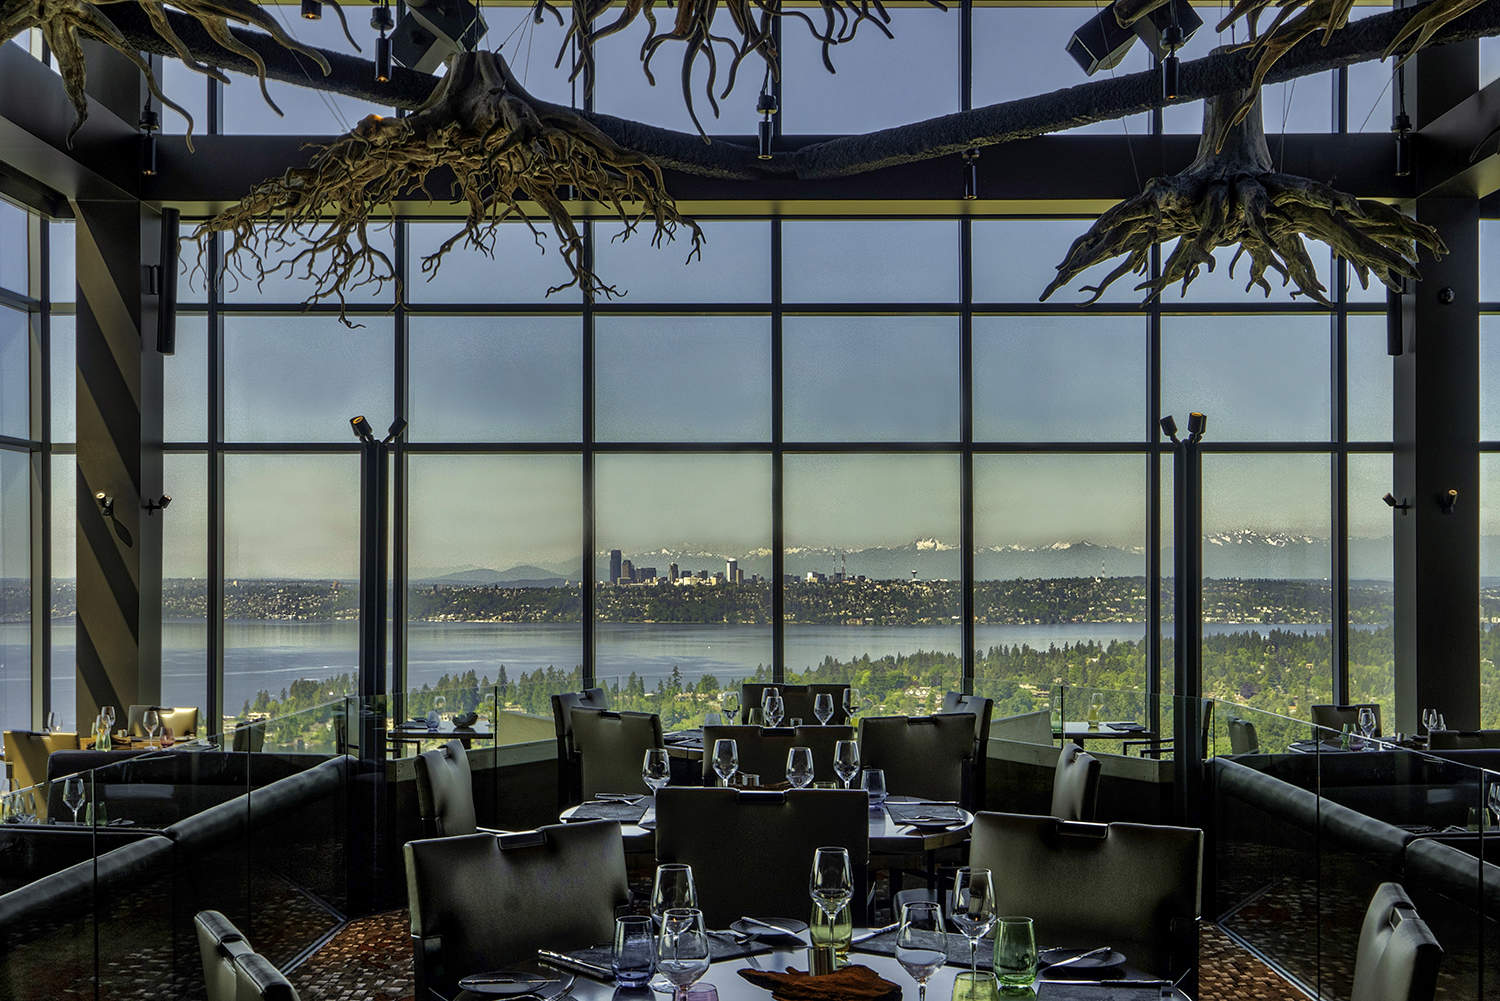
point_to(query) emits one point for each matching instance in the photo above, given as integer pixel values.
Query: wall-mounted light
(362, 429)
(153, 506)
(106, 504)
(1447, 501)
(312, 10)
(1197, 424)
(1390, 501)
(1169, 428)
(382, 20)
(397, 428)
(971, 174)
(150, 121)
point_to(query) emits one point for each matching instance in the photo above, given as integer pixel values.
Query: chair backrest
(982, 708)
(927, 756)
(182, 719)
(750, 850)
(763, 750)
(1075, 784)
(1335, 717)
(1058, 872)
(1398, 956)
(219, 944)
(250, 736)
(26, 751)
(610, 747)
(479, 902)
(1463, 740)
(257, 979)
(797, 700)
(1242, 736)
(563, 704)
(445, 791)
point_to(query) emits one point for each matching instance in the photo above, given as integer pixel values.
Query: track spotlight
(312, 10)
(106, 504)
(397, 428)
(1169, 427)
(153, 506)
(382, 21)
(971, 174)
(149, 123)
(1390, 501)
(1447, 501)
(362, 429)
(1171, 76)
(1402, 128)
(766, 106)
(1197, 424)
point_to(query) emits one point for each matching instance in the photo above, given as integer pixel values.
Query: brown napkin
(852, 983)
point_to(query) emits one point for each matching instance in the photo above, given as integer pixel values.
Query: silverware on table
(563, 962)
(874, 933)
(1103, 950)
(771, 926)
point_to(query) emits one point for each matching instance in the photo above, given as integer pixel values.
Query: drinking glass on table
(682, 948)
(150, 720)
(973, 908)
(774, 707)
(54, 722)
(656, 770)
(672, 888)
(1429, 720)
(731, 705)
(846, 760)
(1367, 722)
(73, 794)
(634, 955)
(851, 702)
(873, 782)
(799, 767)
(726, 759)
(1015, 954)
(921, 943)
(823, 708)
(109, 715)
(832, 880)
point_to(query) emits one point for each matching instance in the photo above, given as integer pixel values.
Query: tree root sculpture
(1235, 197)
(65, 23)
(504, 149)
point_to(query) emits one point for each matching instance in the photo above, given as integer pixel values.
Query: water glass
(73, 794)
(1015, 954)
(433, 720)
(974, 987)
(921, 943)
(682, 954)
(730, 703)
(973, 908)
(766, 694)
(823, 708)
(656, 769)
(726, 759)
(851, 702)
(799, 766)
(150, 720)
(774, 707)
(671, 889)
(109, 715)
(54, 722)
(634, 957)
(873, 782)
(831, 883)
(1367, 722)
(846, 761)
(1429, 719)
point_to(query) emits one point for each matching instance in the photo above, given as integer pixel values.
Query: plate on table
(1047, 958)
(516, 983)
(794, 929)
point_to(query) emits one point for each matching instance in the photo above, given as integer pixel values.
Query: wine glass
(672, 888)
(973, 908)
(682, 949)
(823, 708)
(730, 703)
(774, 707)
(73, 794)
(766, 694)
(54, 722)
(726, 759)
(150, 720)
(799, 767)
(1015, 954)
(1367, 722)
(921, 943)
(1429, 719)
(846, 760)
(851, 702)
(873, 782)
(656, 770)
(832, 881)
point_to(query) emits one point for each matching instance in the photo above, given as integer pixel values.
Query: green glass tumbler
(1015, 954)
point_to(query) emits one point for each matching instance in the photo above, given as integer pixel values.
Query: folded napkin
(908, 813)
(625, 813)
(1127, 727)
(852, 983)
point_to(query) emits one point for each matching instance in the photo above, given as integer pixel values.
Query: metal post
(1187, 625)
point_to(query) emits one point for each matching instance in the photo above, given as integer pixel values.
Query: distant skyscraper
(627, 571)
(731, 571)
(673, 572)
(614, 565)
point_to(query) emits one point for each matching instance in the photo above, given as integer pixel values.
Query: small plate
(1048, 957)
(513, 983)
(932, 823)
(794, 929)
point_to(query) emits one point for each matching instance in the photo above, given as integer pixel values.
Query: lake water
(271, 655)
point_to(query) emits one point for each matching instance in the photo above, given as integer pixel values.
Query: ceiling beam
(1458, 153)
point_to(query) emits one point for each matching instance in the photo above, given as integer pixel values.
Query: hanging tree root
(65, 23)
(503, 148)
(1235, 197)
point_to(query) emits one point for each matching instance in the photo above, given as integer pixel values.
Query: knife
(563, 962)
(874, 933)
(778, 929)
(507, 980)
(1103, 950)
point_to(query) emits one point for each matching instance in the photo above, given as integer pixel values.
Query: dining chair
(1075, 784)
(982, 708)
(1136, 887)
(568, 772)
(26, 752)
(1242, 736)
(752, 850)
(797, 700)
(610, 747)
(219, 944)
(249, 736)
(258, 979)
(182, 719)
(926, 756)
(763, 750)
(445, 792)
(1336, 717)
(1463, 740)
(479, 902)
(1162, 747)
(1398, 956)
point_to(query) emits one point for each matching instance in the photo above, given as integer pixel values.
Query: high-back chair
(182, 719)
(1398, 955)
(610, 747)
(763, 750)
(1058, 872)
(982, 708)
(1336, 717)
(797, 701)
(751, 850)
(249, 736)
(563, 704)
(1242, 736)
(926, 756)
(479, 902)
(26, 752)
(445, 791)
(219, 945)
(1075, 784)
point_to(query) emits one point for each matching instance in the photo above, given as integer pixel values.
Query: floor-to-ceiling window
(20, 320)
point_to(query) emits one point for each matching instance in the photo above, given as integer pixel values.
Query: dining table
(1079, 731)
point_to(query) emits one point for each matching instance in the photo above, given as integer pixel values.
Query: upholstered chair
(926, 756)
(981, 708)
(610, 748)
(1398, 955)
(763, 750)
(563, 703)
(1075, 784)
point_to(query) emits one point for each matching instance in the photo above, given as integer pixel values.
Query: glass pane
(1371, 399)
(1258, 378)
(683, 592)
(499, 602)
(291, 578)
(1489, 377)
(499, 378)
(1489, 588)
(828, 260)
(531, 50)
(735, 265)
(864, 93)
(63, 379)
(15, 270)
(185, 383)
(872, 542)
(61, 284)
(1372, 643)
(15, 590)
(15, 373)
(300, 378)
(1489, 253)
(1059, 378)
(188, 89)
(1370, 107)
(64, 542)
(1489, 61)
(682, 378)
(184, 582)
(523, 267)
(1016, 259)
(1059, 568)
(870, 378)
(1267, 604)
(1228, 280)
(292, 284)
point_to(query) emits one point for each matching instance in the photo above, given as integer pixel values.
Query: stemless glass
(846, 760)
(851, 702)
(682, 948)
(823, 708)
(774, 707)
(921, 943)
(973, 909)
(730, 703)
(73, 794)
(799, 767)
(1015, 954)
(832, 880)
(873, 782)
(634, 955)
(150, 721)
(672, 888)
(656, 769)
(726, 759)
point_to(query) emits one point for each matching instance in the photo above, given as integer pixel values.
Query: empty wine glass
(766, 695)
(846, 760)
(832, 881)
(799, 767)
(851, 702)
(150, 720)
(823, 707)
(656, 770)
(726, 759)
(1429, 719)
(682, 955)
(672, 888)
(774, 707)
(1367, 722)
(921, 943)
(730, 703)
(73, 794)
(973, 908)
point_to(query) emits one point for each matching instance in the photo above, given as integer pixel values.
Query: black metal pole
(1187, 625)
(370, 804)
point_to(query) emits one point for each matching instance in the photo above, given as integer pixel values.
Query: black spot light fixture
(312, 10)
(766, 105)
(149, 124)
(382, 21)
